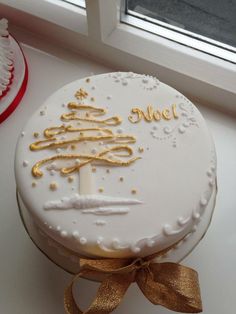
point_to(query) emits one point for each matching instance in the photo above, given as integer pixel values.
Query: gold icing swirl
(113, 121)
(87, 159)
(94, 111)
(53, 142)
(55, 130)
(97, 110)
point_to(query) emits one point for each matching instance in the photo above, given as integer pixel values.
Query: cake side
(131, 185)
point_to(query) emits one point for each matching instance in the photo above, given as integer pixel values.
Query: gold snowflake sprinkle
(70, 179)
(81, 94)
(53, 186)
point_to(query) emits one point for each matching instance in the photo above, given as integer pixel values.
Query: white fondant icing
(94, 151)
(171, 182)
(120, 131)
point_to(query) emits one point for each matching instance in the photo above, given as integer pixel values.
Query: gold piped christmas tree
(85, 124)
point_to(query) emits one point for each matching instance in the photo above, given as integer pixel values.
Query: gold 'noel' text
(150, 114)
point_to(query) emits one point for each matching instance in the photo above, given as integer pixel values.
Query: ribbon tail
(171, 285)
(109, 295)
(70, 305)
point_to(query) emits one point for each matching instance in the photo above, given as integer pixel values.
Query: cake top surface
(116, 165)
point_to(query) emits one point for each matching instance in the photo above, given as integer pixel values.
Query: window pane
(79, 3)
(215, 19)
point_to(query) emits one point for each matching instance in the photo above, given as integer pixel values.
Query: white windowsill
(58, 12)
(173, 56)
(198, 75)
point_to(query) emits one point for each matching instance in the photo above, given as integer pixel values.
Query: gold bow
(171, 285)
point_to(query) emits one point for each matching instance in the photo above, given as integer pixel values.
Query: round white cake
(117, 165)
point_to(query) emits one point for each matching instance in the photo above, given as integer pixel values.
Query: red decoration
(12, 106)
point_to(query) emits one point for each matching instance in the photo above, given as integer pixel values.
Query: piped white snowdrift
(94, 204)
(107, 211)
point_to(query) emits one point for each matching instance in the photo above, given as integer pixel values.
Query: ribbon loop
(172, 286)
(168, 284)
(109, 295)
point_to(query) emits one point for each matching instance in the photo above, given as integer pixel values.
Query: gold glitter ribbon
(171, 285)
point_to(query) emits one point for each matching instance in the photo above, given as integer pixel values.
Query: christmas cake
(116, 165)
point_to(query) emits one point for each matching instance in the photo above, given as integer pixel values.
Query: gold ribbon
(171, 285)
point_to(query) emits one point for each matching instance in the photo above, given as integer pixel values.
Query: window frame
(183, 59)
(99, 33)
(181, 36)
